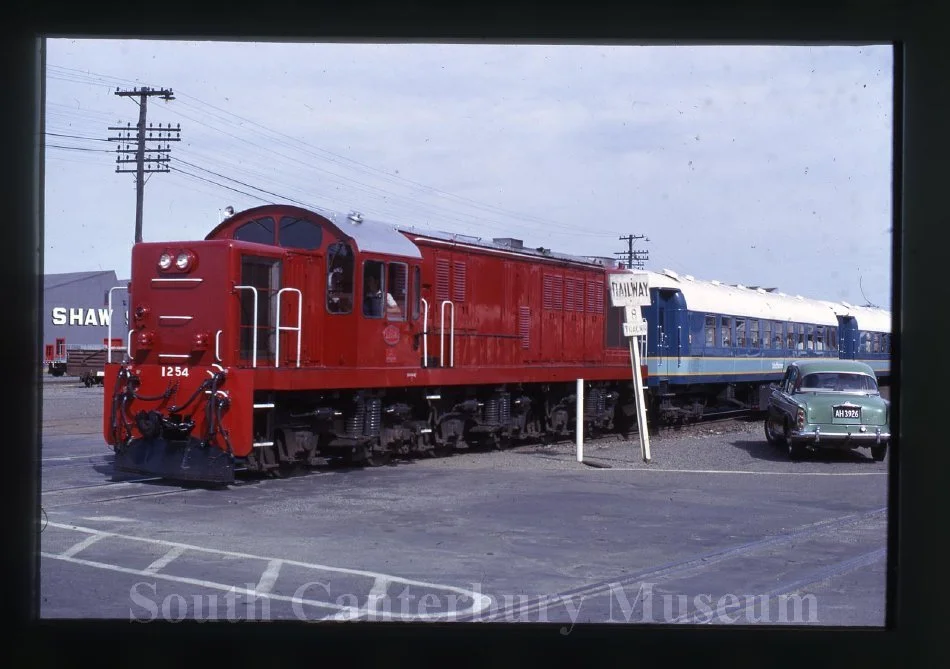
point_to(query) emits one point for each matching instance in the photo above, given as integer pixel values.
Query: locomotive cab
(219, 327)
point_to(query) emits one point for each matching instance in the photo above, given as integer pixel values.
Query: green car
(828, 404)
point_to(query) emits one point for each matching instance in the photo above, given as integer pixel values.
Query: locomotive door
(300, 299)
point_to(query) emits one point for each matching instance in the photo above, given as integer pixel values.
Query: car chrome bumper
(817, 436)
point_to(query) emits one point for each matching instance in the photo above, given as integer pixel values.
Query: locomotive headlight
(184, 261)
(165, 261)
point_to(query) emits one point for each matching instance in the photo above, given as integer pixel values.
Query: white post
(580, 420)
(641, 400)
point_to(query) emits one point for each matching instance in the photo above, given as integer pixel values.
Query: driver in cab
(373, 299)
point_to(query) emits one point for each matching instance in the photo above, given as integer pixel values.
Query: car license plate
(847, 412)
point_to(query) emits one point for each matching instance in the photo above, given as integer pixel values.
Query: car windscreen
(839, 381)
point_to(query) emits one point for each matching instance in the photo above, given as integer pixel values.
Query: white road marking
(81, 546)
(479, 601)
(60, 458)
(110, 519)
(725, 471)
(269, 577)
(164, 561)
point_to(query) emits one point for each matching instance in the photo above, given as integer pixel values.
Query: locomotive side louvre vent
(548, 289)
(524, 326)
(558, 290)
(441, 279)
(458, 287)
(568, 294)
(595, 297)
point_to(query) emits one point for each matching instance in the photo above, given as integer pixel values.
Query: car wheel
(878, 452)
(796, 451)
(771, 435)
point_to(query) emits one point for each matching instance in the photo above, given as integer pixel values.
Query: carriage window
(876, 343)
(339, 279)
(766, 334)
(754, 333)
(710, 330)
(259, 231)
(865, 342)
(740, 333)
(779, 336)
(819, 338)
(726, 331)
(832, 339)
(790, 335)
(396, 288)
(800, 339)
(416, 292)
(810, 337)
(886, 343)
(299, 233)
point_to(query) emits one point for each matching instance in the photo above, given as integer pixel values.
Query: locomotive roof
(370, 235)
(508, 245)
(717, 298)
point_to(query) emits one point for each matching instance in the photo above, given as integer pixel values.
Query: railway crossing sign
(631, 290)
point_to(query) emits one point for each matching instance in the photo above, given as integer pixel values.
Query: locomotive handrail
(425, 331)
(109, 331)
(217, 345)
(128, 347)
(254, 332)
(451, 336)
(289, 327)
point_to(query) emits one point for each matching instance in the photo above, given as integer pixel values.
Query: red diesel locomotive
(288, 337)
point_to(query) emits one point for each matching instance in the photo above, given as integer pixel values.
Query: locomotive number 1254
(174, 371)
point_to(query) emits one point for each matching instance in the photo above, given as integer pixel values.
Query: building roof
(57, 280)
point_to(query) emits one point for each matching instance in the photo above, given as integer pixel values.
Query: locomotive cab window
(259, 231)
(396, 288)
(299, 233)
(416, 292)
(375, 297)
(339, 279)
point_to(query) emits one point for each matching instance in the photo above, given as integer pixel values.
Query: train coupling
(177, 460)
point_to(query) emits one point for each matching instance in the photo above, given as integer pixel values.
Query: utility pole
(635, 259)
(138, 146)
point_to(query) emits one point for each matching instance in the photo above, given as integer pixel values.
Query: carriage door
(847, 337)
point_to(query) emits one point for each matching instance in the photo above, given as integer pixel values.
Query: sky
(760, 165)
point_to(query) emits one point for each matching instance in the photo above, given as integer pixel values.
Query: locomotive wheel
(377, 459)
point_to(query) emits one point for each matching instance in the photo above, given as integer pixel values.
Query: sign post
(631, 291)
